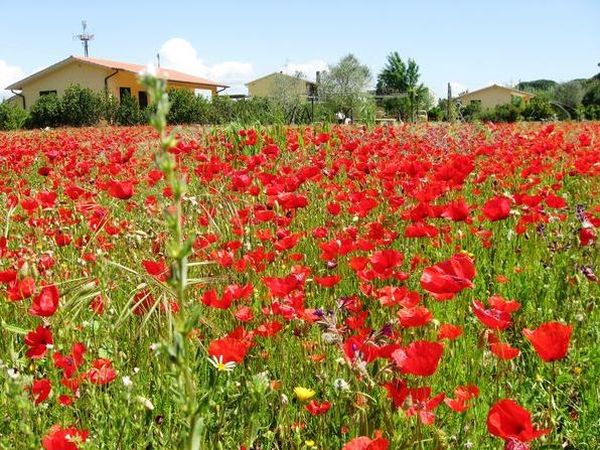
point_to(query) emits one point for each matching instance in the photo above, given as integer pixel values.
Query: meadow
(425, 286)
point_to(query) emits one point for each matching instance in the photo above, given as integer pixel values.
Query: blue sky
(469, 43)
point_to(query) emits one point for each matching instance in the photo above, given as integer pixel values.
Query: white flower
(220, 365)
(127, 381)
(340, 385)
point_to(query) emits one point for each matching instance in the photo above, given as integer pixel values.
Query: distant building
(269, 85)
(117, 78)
(492, 96)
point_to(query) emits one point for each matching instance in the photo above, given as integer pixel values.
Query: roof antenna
(158, 59)
(84, 37)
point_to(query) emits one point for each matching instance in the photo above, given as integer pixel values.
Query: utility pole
(448, 103)
(85, 37)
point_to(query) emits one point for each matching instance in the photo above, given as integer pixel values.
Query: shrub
(129, 112)
(186, 107)
(12, 117)
(538, 108)
(46, 112)
(81, 106)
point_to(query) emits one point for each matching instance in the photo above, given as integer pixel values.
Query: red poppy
(229, 348)
(550, 340)
(504, 351)
(316, 409)
(416, 316)
(45, 303)
(447, 278)
(38, 342)
(122, 190)
(101, 372)
(40, 389)
(366, 443)
(70, 363)
(449, 331)
(422, 404)
(510, 421)
(492, 318)
(419, 358)
(456, 211)
(462, 396)
(21, 289)
(64, 438)
(497, 208)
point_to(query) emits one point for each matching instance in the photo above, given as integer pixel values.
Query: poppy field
(428, 286)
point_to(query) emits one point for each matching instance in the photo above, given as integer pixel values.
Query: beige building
(117, 78)
(492, 96)
(270, 85)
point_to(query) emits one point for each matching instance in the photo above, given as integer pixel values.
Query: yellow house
(270, 85)
(117, 78)
(492, 96)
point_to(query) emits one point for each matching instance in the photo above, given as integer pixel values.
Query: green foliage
(80, 106)
(186, 107)
(537, 86)
(538, 108)
(12, 117)
(569, 94)
(400, 78)
(47, 111)
(110, 108)
(343, 86)
(129, 112)
(592, 94)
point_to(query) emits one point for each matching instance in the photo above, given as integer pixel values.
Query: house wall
(492, 97)
(89, 76)
(58, 80)
(268, 86)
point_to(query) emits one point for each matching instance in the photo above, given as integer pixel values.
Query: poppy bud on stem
(178, 249)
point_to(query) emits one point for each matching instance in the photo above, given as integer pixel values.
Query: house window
(123, 92)
(42, 93)
(143, 99)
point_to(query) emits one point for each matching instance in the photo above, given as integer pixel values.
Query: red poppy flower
(70, 363)
(45, 303)
(416, 316)
(328, 281)
(510, 421)
(316, 409)
(38, 342)
(64, 438)
(504, 351)
(101, 372)
(447, 278)
(122, 190)
(419, 358)
(422, 404)
(40, 389)
(497, 208)
(449, 331)
(7, 276)
(456, 211)
(492, 318)
(230, 349)
(21, 289)
(462, 396)
(550, 340)
(366, 443)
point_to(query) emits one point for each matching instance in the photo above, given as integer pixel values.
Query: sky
(468, 43)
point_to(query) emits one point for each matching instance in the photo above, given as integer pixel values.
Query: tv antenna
(84, 37)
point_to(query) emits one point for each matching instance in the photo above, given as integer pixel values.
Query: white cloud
(180, 54)
(308, 68)
(8, 75)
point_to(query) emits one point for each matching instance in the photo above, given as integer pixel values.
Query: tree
(81, 106)
(400, 78)
(569, 94)
(343, 86)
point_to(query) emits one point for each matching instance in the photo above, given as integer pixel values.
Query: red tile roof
(168, 74)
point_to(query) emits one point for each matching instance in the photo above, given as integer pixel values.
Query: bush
(12, 117)
(538, 108)
(46, 112)
(81, 106)
(129, 112)
(110, 108)
(186, 107)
